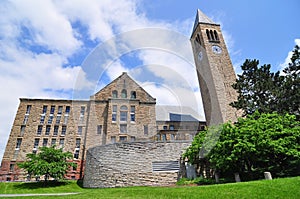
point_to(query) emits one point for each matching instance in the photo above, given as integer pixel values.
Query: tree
(256, 88)
(261, 90)
(50, 162)
(257, 143)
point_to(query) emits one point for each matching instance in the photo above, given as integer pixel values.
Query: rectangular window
(172, 136)
(50, 119)
(53, 142)
(146, 130)
(45, 141)
(123, 128)
(123, 138)
(36, 143)
(79, 132)
(78, 142)
(67, 110)
(132, 138)
(22, 130)
(61, 142)
(28, 109)
(48, 127)
(55, 132)
(52, 109)
(19, 142)
(82, 110)
(132, 113)
(42, 120)
(172, 128)
(66, 118)
(99, 129)
(58, 118)
(81, 117)
(75, 167)
(25, 119)
(113, 139)
(76, 154)
(164, 137)
(123, 116)
(39, 130)
(59, 112)
(44, 110)
(114, 113)
(165, 127)
(11, 167)
(63, 130)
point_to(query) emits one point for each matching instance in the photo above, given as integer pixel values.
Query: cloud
(289, 56)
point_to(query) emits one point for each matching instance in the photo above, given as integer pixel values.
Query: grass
(277, 188)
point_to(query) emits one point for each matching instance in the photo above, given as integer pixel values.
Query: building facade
(120, 112)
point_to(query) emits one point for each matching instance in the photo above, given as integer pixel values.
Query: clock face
(200, 56)
(217, 49)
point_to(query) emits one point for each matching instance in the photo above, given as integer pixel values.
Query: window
(123, 138)
(212, 35)
(53, 141)
(123, 114)
(172, 136)
(42, 120)
(28, 110)
(11, 167)
(165, 127)
(77, 143)
(113, 139)
(145, 129)
(66, 118)
(133, 95)
(58, 118)
(82, 110)
(55, 132)
(63, 130)
(164, 137)
(114, 113)
(25, 119)
(172, 127)
(198, 40)
(81, 117)
(76, 154)
(45, 141)
(99, 129)
(50, 119)
(67, 110)
(48, 127)
(36, 143)
(123, 128)
(61, 142)
(216, 35)
(132, 138)
(79, 132)
(39, 130)
(74, 167)
(19, 142)
(22, 130)
(208, 35)
(124, 93)
(59, 112)
(52, 109)
(115, 94)
(44, 110)
(132, 113)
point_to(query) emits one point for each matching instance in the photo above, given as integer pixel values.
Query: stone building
(120, 112)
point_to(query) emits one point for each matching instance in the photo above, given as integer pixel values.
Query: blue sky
(48, 48)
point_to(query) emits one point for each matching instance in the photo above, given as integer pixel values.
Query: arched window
(211, 35)
(216, 35)
(133, 95)
(198, 39)
(208, 35)
(124, 93)
(115, 94)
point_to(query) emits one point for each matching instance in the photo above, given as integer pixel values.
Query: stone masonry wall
(130, 164)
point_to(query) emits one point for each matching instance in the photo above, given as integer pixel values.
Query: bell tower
(214, 70)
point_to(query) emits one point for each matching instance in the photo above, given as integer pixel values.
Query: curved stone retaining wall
(133, 164)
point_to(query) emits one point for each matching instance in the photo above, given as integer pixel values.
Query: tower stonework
(214, 70)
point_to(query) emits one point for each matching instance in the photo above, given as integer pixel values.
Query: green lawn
(277, 188)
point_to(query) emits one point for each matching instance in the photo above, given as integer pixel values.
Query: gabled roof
(202, 18)
(124, 81)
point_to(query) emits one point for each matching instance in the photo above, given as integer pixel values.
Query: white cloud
(289, 56)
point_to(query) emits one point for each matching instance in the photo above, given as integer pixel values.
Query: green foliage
(50, 162)
(277, 188)
(258, 143)
(261, 90)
